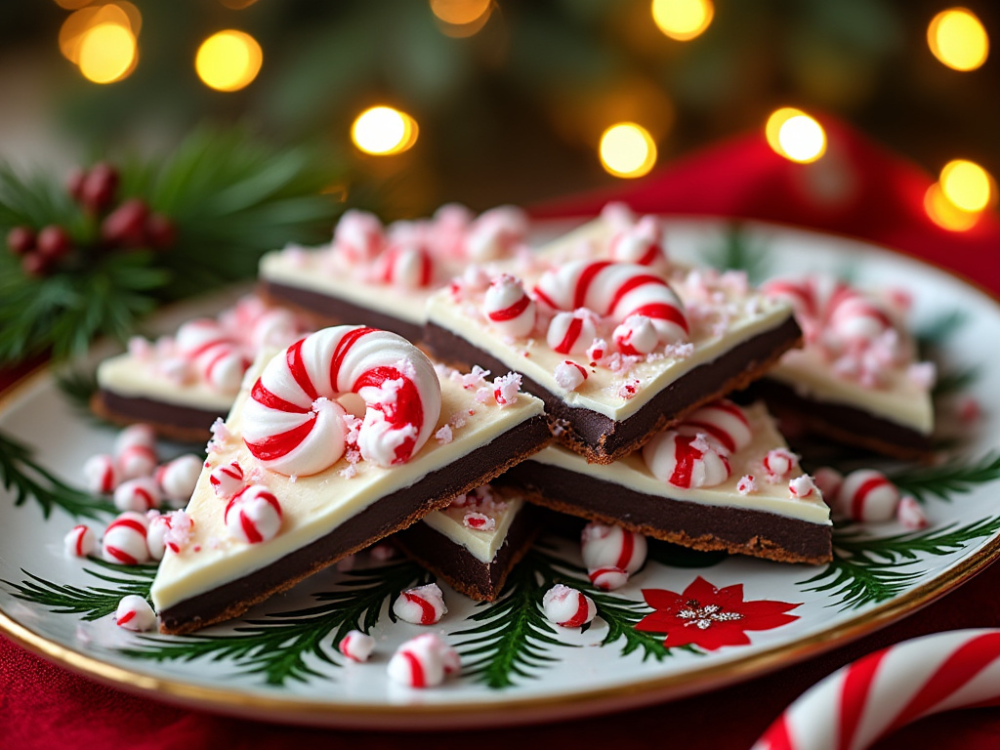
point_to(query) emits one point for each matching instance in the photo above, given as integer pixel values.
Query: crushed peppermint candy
(506, 388)
(350, 472)
(570, 375)
(922, 374)
(802, 487)
(597, 350)
(474, 379)
(747, 484)
(628, 389)
(220, 436)
(483, 395)
(444, 435)
(479, 521)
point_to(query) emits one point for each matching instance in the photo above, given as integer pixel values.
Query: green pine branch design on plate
(867, 570)
(29, 480)
(279, 647)
(90, 602)
(739, 252)
(954, 477)
(514, 639)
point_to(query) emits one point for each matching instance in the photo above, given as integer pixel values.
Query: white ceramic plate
(284, 666)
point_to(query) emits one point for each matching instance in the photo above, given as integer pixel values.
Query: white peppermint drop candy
(253, 515)
(178, 478)
(508, 307)
(606, 546)
(80, 541)
(423, 605)
(139, 494)
(567, 607)
(357, 646)
(100, 474)
(608, 579)
(134, 613)
(867, 495)
(423, 662)
(226, 479)
(137, 434)
(571, 333)
(124, 540)
(136, 461)
(636, 336)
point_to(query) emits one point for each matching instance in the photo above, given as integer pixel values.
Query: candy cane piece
(423, 605)
(357, 646)
(423, 662)
(686, 461)
(80, 541)
(722, 422)
(508, 307)
(253, 515)
(567, 607)
(606, 546)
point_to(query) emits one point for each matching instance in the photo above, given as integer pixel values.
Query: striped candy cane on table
(879, 694)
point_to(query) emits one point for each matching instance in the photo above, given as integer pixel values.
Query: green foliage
(934, 333)
(90, 602)
(954, 477)
(279, 646)
(29, 480)
(868, 570)
(738, 252)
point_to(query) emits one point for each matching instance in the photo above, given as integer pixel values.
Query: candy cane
(293, 425)
(618, 290)
(571, 333)
(873, 697)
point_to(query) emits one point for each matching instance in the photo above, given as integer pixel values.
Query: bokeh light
(77, 25)
(229, 60)
(460, 12)
(627, 150)
(958, 39)
(946, 214)
(795, 135)
(683, 20)
(384, 131)
(967, 185)
(107, 53)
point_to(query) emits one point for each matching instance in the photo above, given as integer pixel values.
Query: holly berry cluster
(129, 225)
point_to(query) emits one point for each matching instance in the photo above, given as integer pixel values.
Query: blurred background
(492, 101)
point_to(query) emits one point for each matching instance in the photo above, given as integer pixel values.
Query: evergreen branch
(738, 252)
(90, 602)
(955, 381)
(20, 472)
(278, 647)
(866, 570)
(934, 333)
(954, 477)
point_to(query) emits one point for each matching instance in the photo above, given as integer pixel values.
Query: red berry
(21, 240)
(53, 242)
(126, 225)
(35, 264)
(160, 231)
(99, 187)
(74, 183)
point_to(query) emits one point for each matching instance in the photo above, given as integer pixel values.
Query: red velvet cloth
(44, 706)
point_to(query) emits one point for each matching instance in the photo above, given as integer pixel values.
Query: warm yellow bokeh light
(795, 135)
(384, 131)
(946, 214)
(76, 25)
(958, 39)
(460, 12)
(627, 150)
(683, 19)
(967, 185)
(72, 4)
(228, 60)
(106, 53)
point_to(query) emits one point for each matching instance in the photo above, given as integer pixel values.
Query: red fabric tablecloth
(858, 190)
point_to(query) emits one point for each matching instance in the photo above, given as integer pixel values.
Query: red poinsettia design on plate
(709, 617)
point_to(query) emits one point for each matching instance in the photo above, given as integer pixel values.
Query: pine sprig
(954, 477)
(279, 647)
(935, 332)
(738, 252)
(90, 602)
(868, 570)
(954, 381)
(29, 480)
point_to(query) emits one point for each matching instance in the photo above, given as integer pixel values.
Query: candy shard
(567, 607)
(423, 662)
(423, 605)
(134, 613)
(80, 541)
(357, 646)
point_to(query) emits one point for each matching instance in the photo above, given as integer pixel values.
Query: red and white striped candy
(293, 425)
(137, 434)
(275, 327)
(214, 353)
(686, 461)
(226, 479)
(80, 541)
(139, 494)
(508, 307)
(178, 478)
(568, 608)
(423, 662)
(857, 318)
(253, 515)
(910, 515)
(570, 375)
(802, 487)
(357, 646)
(168, 531)
(866, 495)
(407, 264)
(617, 290)
(636, 336)
(100, 473)
(495, 234)
(608, 579)
(721, 422)
(881, 693)
(423, 605)
(829, 481)
(134, 613)
(571, 333)
(779, 462)
(618, 216)
(799, 294)
(606, 546)
(125, 539)
(641, 244)
(135, 452)
(358, 237)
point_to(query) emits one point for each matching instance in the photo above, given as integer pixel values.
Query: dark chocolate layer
(184, 423)
(328, 310)
(842, 422)
(602, 439)
(383, 517)
(704, 527)
(460, 568)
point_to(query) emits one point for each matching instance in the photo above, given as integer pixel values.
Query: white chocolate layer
(752, 315)
(483, 545)
(313, 506)
(631, 472)
(128, 377)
